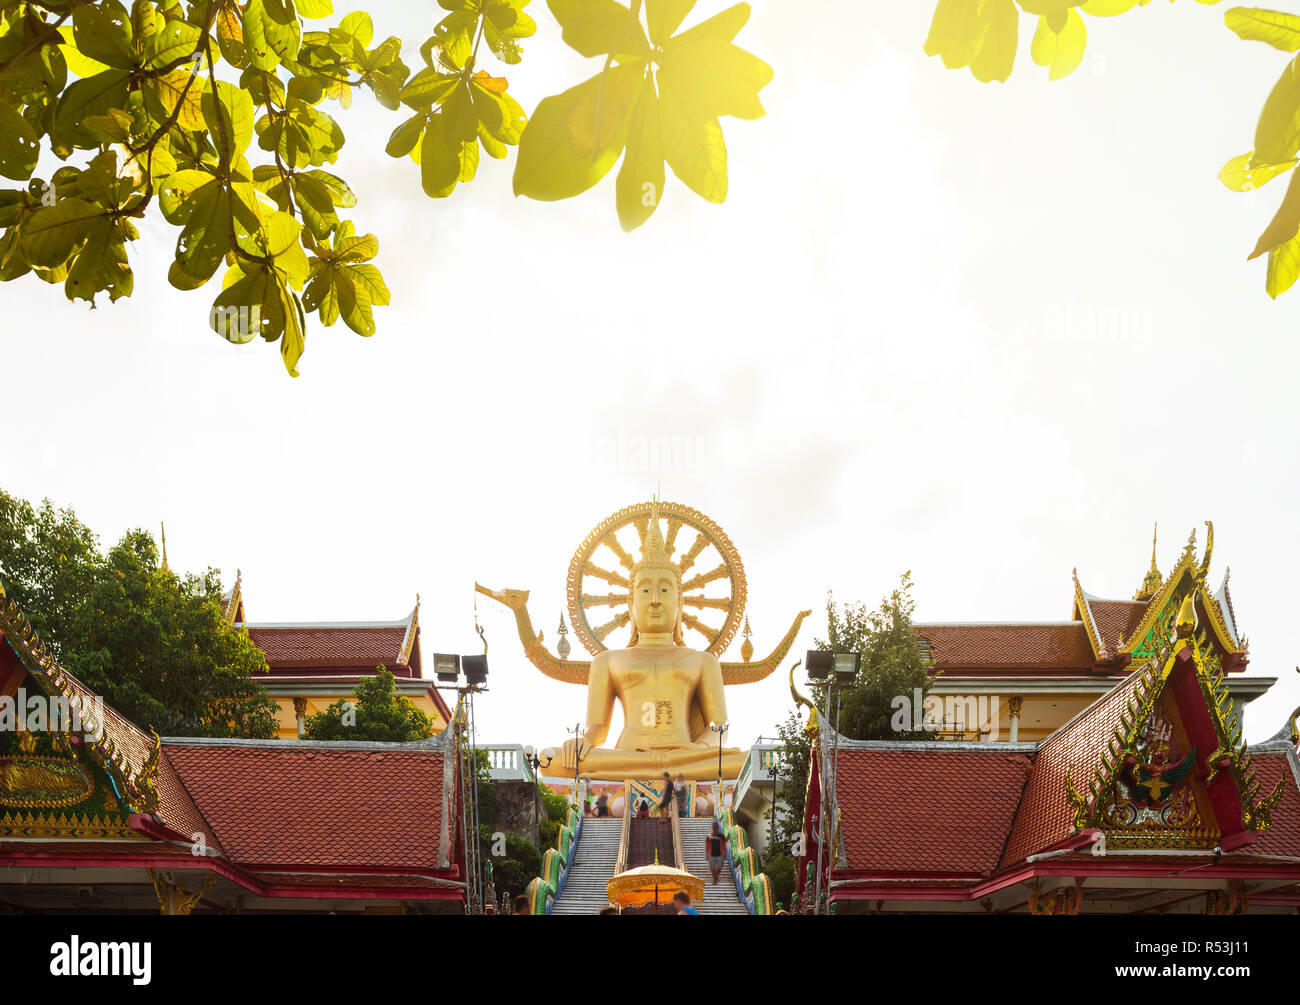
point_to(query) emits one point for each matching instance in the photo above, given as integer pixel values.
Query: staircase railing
(752, 886)
(624, 831)
(679, 860)
(543, 891)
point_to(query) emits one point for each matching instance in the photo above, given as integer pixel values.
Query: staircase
(593, 865)
(720, 899)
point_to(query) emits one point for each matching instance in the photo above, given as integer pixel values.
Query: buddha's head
(656, 596)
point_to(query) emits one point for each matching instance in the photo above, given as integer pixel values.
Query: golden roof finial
(164, 547)
(747, 647)
(1153, 580)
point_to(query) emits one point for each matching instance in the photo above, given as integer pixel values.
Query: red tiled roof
(314, 806)
(927, 810)
(1116, 618)
(1028, 646)
(1045, 816)
(361, 646)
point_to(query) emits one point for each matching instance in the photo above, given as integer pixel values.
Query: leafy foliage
(375, 713)
(170, 102)
(1277, 142)
(658, 97)
(892, 664)
(156, 646)
(985, 34)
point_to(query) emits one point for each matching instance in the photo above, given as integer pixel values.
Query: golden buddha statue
(671, 695)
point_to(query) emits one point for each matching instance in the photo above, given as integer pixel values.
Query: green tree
(156, 646)
(984, 36)
(892, 665)
(376, 712)
(211, 114)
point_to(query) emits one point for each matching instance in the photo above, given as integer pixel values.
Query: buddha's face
(655, 603)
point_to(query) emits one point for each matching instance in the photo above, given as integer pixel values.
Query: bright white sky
(983, 332)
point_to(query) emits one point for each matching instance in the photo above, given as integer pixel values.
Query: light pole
(576, 732)
(834, 670)
(720, 728)
(535, 761)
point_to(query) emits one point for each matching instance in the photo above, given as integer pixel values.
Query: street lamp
(537, 759)
(842, 670)
(720, 728)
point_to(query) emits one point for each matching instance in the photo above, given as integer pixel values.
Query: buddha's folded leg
(692, 763)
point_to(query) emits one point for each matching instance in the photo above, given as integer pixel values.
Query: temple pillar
(300, 713)
(1015, 704)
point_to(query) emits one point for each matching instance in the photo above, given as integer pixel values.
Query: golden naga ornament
(688, 583)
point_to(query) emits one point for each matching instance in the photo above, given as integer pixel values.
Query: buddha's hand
(575, 751)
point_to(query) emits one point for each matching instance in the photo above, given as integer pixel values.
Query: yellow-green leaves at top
(600, 27)
(1277, 134)
(19, 145)
(272, 33)
(664, 17)
(1282, 31)
(103, 32)
(660, 106)
(1243, 173)
(1060, 49)
(981, 34)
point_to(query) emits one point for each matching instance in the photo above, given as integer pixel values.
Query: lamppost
(536, 760)
(576, 732)
(448, 668)
(720, 728)
(841, 669)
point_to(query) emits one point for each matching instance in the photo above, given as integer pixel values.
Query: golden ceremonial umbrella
(647, 884)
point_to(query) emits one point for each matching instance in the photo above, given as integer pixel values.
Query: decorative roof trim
(140, 791)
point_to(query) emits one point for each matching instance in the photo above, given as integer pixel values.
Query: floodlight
(446, 667)
(476, 669)
(845, 667)
(817, 663)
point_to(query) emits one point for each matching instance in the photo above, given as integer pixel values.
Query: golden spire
(747, 647)
(654, 553)
(1153, 580)
(164, 548)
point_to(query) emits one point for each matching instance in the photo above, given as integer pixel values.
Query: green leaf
(177, 40)
(53, 232)
(574, 138)
(997, 51)
(267, 41)
(599, 27)
(206, 237)
(955, 32)
(20, 147)
(359, 26)
(1277, 134)
(722, 27)
(665, 16)
(92, 96)
(439, 158)
(716, 77)
(102, 31)
(404, 138)
(1062, 51)
(1283, 267)
(102, 263)
(233, 119)
(427, 88)
(1281, 31)
(693, 143)
(315, 9)
(1285, 223)
(1242, 173)
(640, 183)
